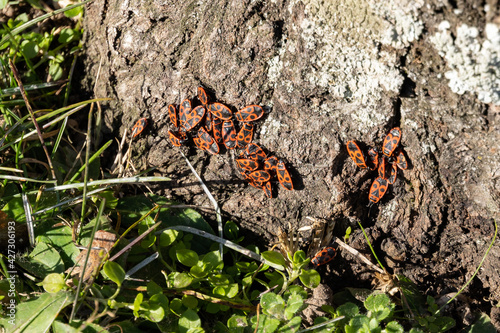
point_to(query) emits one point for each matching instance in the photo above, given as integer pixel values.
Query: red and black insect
(391, 141)
(260, 176)
(378, 189)
(394, 173)
(220, 111)
(217, 129)
(373, 157)
(208, 121)
(207, 142)
(184, 109)
(247, 164)
(268, 190)
(199, 143)
(271, 163)
(249, 113)
(229, 134)
(254, 149)
(193, 118)
(324, 256)
(382, 168)
(177, 138)
(139, 126)
(284, 176)
(245, 135)
(356, 154)
(401, 160)
(172, 113)
(202, 96)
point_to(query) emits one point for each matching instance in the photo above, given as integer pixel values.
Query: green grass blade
(33, 22)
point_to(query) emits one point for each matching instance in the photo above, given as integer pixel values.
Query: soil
(325, 74)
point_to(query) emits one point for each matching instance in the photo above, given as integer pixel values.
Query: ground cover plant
(107, 254)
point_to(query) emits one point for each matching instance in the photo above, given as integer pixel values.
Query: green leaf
(310, 278)
(137, 304)
(153, 288)
(299, 257)
(167, 237)
(189, 302)
(29, 49)
(53, 283)
(377, 302)
(358, 322)
(154, 312)
(132, 208)
(73, 12)
(237, 323)
(114, 272)
(38, 314)
(231, 230)
(349, 310)
(66, 35)
(3, 3)
(181, 280)
(188, 320)
(292, 326)
(187, 257)
(274, 257)
(293, 305)
(394, 327)
(273, 305)
(49, 257)
(270, 324)
(55, 70)
(160, 299)
(482, 325)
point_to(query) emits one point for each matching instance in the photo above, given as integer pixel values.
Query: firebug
(284, 176)
(271, 163)
(229, 134)
(193, 118)
(373, 157)
(217, 129)
(247, 164)
(139, 126)
(220, 111)
(401, 160)
(208, 121)
(356, 154)
(260, 176)
(202, 96)
(244, 135)
(324, 256)
(268, 190)
(378, 189)
(394, 173)
(391, 141)
(177, 138)
(254, 149)
(184, 109)
(249, 113)
(382, 168)
(208, 142)
(172, 113)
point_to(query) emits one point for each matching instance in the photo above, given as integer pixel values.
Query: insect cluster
(212, 127)
(386, 161)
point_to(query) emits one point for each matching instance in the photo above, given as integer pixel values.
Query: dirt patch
(326, 74)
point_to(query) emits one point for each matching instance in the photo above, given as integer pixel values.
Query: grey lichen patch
(473, 64)
(342, 40)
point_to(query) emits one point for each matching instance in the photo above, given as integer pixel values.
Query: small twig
(30, 110)
(358, 255)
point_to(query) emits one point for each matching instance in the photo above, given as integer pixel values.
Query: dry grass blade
(358, 255)
(209, 195)
(30, 110)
